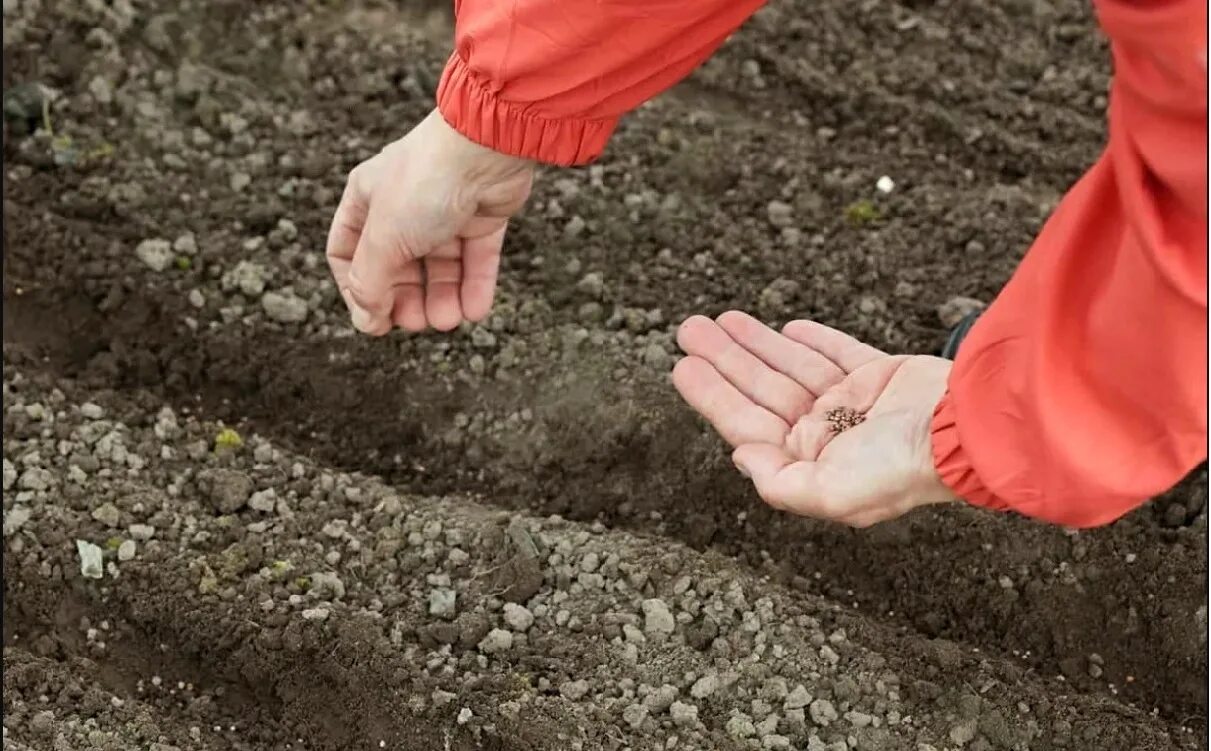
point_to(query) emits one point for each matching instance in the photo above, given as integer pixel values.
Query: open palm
(768, 394)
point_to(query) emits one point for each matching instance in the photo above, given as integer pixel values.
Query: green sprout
(183, 263)
(227, 440)
(862, 212)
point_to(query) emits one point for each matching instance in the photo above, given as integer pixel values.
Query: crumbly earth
(514, 536)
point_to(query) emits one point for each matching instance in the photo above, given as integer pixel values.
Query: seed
(843, 418)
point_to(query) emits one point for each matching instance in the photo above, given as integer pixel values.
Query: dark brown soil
(234, 124)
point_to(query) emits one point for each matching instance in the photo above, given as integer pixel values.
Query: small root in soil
(843, 418)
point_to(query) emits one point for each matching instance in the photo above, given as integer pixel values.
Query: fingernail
(740, 468)
(361, 317)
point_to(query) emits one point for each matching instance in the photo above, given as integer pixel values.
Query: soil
(515, 536)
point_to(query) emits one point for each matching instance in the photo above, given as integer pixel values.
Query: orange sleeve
(1082, 391)
(548, 79)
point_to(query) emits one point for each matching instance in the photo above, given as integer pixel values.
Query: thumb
(383, 260)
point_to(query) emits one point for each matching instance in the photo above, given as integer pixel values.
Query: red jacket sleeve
(548, 79)
(1082, 391)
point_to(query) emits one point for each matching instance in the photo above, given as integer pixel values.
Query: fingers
(734, 416)
(409, 310)
(443, 285)
(481, 264)
(807, 367)
(786, 483)
(848, 353)
(346, 228)
(701, 337)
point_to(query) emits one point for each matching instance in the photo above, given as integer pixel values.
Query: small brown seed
(841, 419)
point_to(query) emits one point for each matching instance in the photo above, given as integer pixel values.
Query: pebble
(683, 714)
(327, 585)
(316, 614)
(229, 490)
(108, 514)
(91, 559)
(705, 686)
(885, 184)
(196, 298)
(141, 531)
(798, 698)
(574, 690)
(656, 617)
(656, 358)
(740, 727)
(963, 733)
(127, 550)
(592, 285)
(464, 716)
(498, 640)
(15, 519)
(518, 617)
(284, 307)
(634, 715)
(774, 741)
(661, 699)
(443, 603)
(957, 308)
(35, 479)
(264, 501)
(823, 712)
(10, 474)
(156, 254)
(781, 214)
(92, 411)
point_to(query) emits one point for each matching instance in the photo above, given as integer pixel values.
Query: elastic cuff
(472, 109)
(951, 462)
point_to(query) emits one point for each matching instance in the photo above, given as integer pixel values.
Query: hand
(769, 396)
(416, 239)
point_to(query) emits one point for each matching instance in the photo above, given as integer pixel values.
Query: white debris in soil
(885, 184)
(91, 560)
(156, 254)
(284, 307)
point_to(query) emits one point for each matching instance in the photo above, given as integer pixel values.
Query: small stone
(859, 719)
(91, 559)
(482, 338)
(774, 741)
(141, 531)
(156, 254)
(574, 690)
(662, 698)
(196, 299)
(740, 727)
(264, 501)
(885, 184)
(35, 478)
(683, 715)
(92, 411)
(656, 358)
(592, 285)
(127, 550)
(228, 489)
(327, 585)
(284, 307)
(798, 698)
(633, 635)
(498, 640)
(316, 614)
(108, 514)
(656, 617)
(15, 519)
(705, 686)
(464, 716)
(781, 214)
(963, 733)
(240, 180)
(823, 712)
(443, 603)
(10, 474)
(634, 715)
(957, 308)
(518, 617)
(575, 227)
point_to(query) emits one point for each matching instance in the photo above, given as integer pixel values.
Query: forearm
(548, 80)
(1082, 391)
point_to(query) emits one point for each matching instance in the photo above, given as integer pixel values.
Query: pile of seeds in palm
(843, 418)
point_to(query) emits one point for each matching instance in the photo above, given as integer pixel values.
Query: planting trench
(558, 405)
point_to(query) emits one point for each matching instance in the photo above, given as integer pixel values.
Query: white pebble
(885, 184)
